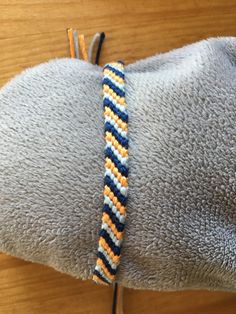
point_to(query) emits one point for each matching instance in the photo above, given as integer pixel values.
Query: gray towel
(181, 223)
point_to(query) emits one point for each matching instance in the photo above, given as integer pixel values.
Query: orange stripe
(71, 42)
(114, 199)
(107, 220)
(114, 76)
(112, 93)
(83, 47)
(110, 165)
(111, 138)
(118, 65)
(98, 280)
(115, 258)
(106, 271)
(109, 113)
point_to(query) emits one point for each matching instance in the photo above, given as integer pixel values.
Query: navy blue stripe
(117, 72)
(114, 87)
(106, 263)
(120, 61)
(122, 140)
(115, 249)
(119, 226)
(121, 198)
(122, 169)
(122, 115)
(100, 276)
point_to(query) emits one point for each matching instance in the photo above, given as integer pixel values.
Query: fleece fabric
(181, 220)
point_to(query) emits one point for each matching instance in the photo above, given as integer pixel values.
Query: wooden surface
(26, 288)
(33, 31)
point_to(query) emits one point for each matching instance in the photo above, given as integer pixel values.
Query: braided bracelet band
(116, 174)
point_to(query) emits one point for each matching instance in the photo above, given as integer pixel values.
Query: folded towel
(181, 220)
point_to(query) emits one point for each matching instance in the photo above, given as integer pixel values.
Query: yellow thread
(71, 42)
(109, 113)
(107, 220)
(113, 198)
(117, 65)
(114, 76)
(105, 270)
(113, 94)
(109, 137)
(98, 280)
(110, 165)
(115, 258)
(83, 47)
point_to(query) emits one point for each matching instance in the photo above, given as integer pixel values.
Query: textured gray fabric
(181, 223)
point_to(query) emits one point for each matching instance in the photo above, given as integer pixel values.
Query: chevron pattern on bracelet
(116, 174)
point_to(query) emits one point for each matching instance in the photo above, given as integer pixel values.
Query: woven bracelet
(116, 174)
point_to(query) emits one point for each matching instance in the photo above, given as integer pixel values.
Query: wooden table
(33, 31)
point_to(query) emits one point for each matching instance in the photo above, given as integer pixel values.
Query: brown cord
(117, 306)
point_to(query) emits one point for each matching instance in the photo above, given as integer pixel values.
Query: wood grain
(34, 31)
(27, 288)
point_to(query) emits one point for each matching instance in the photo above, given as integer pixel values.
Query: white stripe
(114, 209)
(113, 266)
(123, 160)
(115, 103)
(121, 86)
(111, 234)
(116, 68)
(123, 190)
(100, 270)
(115, 125)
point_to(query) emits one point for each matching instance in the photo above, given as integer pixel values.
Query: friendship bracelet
(116, 174)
